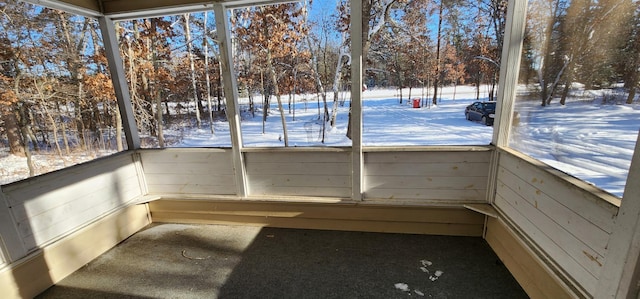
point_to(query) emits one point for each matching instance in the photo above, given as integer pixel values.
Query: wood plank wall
(189, 171)
(569, 224)
(452, 176)
(299, 173)
(447, 175)
(46, 208)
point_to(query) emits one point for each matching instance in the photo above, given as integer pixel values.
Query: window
(576, 108)
(426, 64)
(173, 70)
(57, 104)
(291, 62)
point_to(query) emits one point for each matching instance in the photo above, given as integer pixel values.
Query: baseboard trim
(455, 221)
(535, 277)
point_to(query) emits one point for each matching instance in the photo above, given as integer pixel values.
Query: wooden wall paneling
(481, 155)
(587, 232)
(592, 207)
(45, 209)
(35, 273)
(10, 243)
(570, 224)
(299, 173)
(563, 258)
(117, 176)
(558, 243)
(417, 168)
(189, 171)
(455, 176)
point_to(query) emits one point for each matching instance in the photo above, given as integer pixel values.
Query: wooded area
(56, 95)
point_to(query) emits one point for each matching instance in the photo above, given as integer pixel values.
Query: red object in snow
(416, 103)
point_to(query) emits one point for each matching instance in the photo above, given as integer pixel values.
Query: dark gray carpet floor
(215, 261)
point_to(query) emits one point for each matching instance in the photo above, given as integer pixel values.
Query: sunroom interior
(559, 236)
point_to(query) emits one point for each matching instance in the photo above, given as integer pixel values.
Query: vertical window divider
(121, 89)
(357, 158)
(507, 86)
(230, 86)
(621, 269)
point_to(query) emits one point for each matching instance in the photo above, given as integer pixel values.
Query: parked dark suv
(482, 111)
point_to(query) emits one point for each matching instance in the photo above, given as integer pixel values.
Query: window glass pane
(426, 63)
(291, 61)
(576, 107)
(172, 67)
(57, 105)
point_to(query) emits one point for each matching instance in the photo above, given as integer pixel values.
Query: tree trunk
(192, 67)
(63, 128)
(156, 85)
(633, 83)
(276, 89)
(12, 129)
(436, 81)
(205, 46)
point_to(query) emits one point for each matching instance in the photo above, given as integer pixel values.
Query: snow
(402, 286)
(587, 138)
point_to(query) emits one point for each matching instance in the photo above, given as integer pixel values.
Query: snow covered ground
(586, 138)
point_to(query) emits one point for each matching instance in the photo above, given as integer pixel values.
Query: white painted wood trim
(485, 209)
(291, 149)
(142, 181)
(357, 158)
(231, 95)
(120, 86)
(428, 148)
(62, 5)
(509, 70)
(619, 278)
